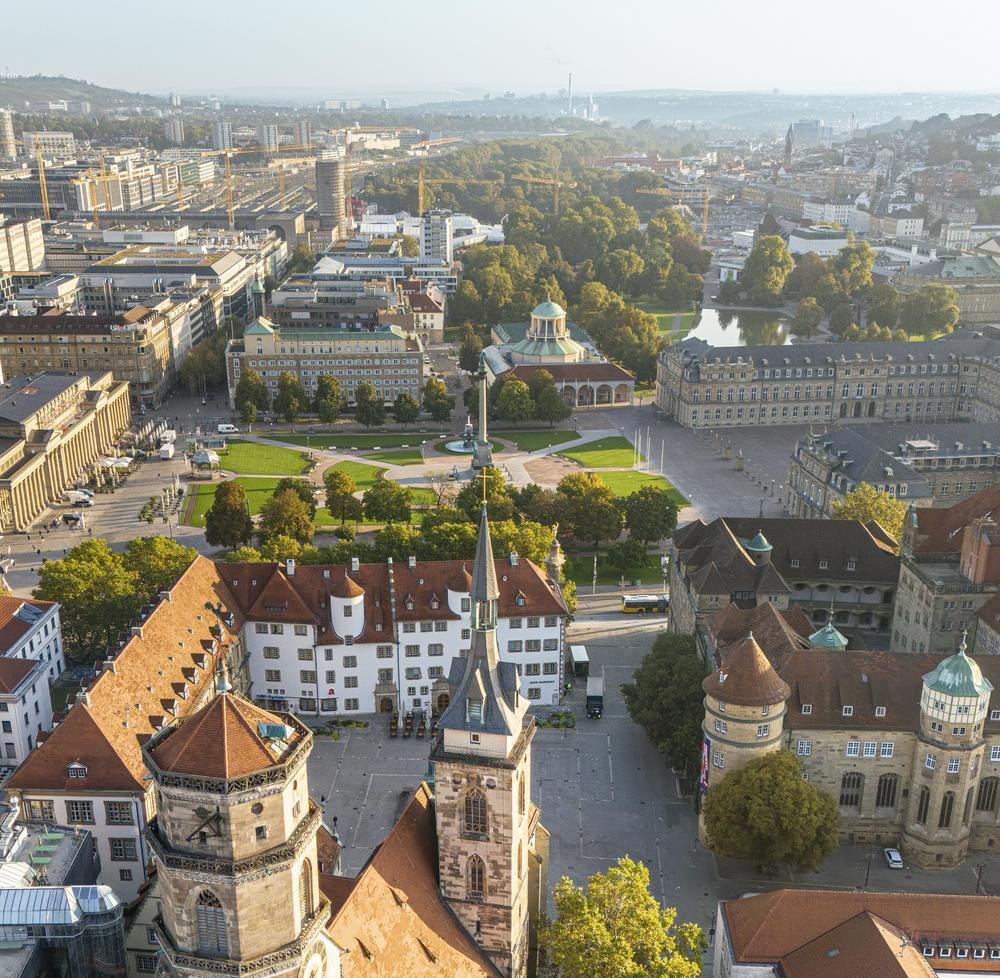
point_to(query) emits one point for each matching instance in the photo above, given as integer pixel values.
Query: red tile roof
(13, 673)
(392, 917)
(746, 677)
(126, 703)
(576, 372)
(223, 740)
(12, 627)
(939, 531)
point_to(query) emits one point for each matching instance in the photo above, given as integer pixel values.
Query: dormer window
(519, 600)
(807, 709)
(435, 604)
(474, 711)
(880, 711)
(823, 564)
(852, 565)
(409, 604)
(848, 711)
(77, 771)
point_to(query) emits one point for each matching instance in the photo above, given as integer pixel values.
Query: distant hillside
(15, 92)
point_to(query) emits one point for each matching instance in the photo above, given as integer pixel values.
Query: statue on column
(482, 457)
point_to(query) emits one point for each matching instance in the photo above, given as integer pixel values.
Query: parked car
(893, 858)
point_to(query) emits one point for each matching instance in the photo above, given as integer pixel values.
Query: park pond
(745, 327)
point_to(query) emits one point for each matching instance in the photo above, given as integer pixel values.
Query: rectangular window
(384, 652)
(853, 748)
(995, 753)
(350, 662)
(763, 729)
(331, 675)
(435, 648)
(953, 765)
(122, 850)
(888, 748)
(804, 748)
(869, 748)
(718, 759)
(426, 626)
(350, 682)
(848, 711)
(80, 812)
(277, 629)
(532, 669)
(534, 693)
(550, 668)
(409, 627)
(513, 645)
(305, 655)
(41, 811)
(307, 676)
(260, 628)
(350, 704)
(551, 621)
(533, 645)
(807, 709)
(125, 875)
(301, 630)
(145, 963)
(930, 762)
(516, 622)
(118, 813)
(413, 672)
(440, 626)
(534, 621)
(880, 711)
(272, 675)
(271, 652)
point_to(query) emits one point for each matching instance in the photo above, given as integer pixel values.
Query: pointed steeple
(484, 571)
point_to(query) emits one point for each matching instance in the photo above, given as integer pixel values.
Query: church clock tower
(235, 845)
(492, 851)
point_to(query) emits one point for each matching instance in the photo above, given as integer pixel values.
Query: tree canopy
(869, 503)
(768, 813)
(228, 522)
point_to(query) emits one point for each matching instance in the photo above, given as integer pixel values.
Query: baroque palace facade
(908, 745)
(701, 386)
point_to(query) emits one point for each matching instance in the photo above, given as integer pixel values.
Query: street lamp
(868, 869)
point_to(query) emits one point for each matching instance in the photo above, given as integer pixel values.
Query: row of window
(82, 812)
(788, 372)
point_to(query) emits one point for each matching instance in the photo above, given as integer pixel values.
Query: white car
(893, 858)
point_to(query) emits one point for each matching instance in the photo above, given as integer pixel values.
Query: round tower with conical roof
(234, 840)
(745, 704)
(947, 762)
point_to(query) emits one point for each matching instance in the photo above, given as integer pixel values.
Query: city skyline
(781, 54)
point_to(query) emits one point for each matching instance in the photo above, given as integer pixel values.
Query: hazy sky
(524, 45)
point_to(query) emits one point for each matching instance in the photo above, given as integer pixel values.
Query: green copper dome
(548, 310)
(958, 675)
(828, 637)
(758, 544)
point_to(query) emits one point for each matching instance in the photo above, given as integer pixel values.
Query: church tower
(235, 845)
(491, 847)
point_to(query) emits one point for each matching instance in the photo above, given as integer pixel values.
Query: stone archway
(622, 394)
(442, 702)
(386, 704)
(604, 394)
(569, 395)
(585, 395)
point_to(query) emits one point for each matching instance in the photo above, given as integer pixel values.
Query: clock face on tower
(316, 963)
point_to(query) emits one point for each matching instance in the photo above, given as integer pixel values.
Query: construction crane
(43, 190)
(555, 183)
(423, 182)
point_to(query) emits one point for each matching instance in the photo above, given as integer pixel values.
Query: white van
(228, 429)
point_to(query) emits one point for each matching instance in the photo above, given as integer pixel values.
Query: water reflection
(726, 327)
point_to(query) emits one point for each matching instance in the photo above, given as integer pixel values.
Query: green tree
(498, 499)
(869, 503)
(370, 408)
(302, 489)
(329, 400)
(387, 502)
(766, 812)
(302, 261)
(523, 537)
(227, 522)
(205, 364)
(730, 293)
(551, 406)
(626, 556)
(616, 927)
(396, 540)
(808, 315)
(98, 595)
(405, 409)
(244, 555)
(157, 563)
(931, 310)
(766, 269)
(514, 402)
(538, 381)
(280, 548)
(291, 400)
(447, 541)
(286, 514)
(251, 396)
(589, 508)
(841, 317)
(469, 351)
(437, 403)
(341, 503)
(854, 265)
(665, 699)
(805, 276)
(883, 304)
(619, 269)
(650, 514)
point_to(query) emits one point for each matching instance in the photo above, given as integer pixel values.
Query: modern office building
(330, 202)
(222, 135)
(704, 386)
(8, 145)
(58, 145)
(22, 247)
(436, 236)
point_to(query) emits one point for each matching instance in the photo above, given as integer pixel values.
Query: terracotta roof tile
(746, 677)
(576, 372)
(12, 627)
(394, 914)
(939, 531)
(223, 740)
(122, 706)
(13, 673)
(778, 633)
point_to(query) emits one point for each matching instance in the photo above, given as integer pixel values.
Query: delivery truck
(595, 697)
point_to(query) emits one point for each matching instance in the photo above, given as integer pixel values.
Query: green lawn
(251, 458)
(614, 452)
(361, 441)
(581, 570)
(531, 441)
(257, 490)
(364, 475)
(399, 456)
(665, 317)
(627, 482)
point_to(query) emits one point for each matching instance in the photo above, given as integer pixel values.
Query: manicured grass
(257, 490)
(399, 456)
(531, 441)
(423, 496)
(615, 452)
(251, 458)
(364, 475)
(665, 317)
(581, 570)
(626, 482)
(363, 442)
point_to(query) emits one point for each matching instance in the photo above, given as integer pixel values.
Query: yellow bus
(645, 604)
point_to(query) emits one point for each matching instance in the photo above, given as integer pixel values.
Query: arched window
(885, 794)
(475, 812)
(852, 789)
(306, 889)
(986, 800)
(967, 811)
(923, 804)
(211, 924)
(476, 877)
(947, 807)
(520, 796)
